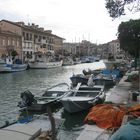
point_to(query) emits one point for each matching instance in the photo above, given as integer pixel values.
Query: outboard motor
(27, 99)
(84, 72)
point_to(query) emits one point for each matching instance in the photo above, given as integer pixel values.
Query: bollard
(134, 96)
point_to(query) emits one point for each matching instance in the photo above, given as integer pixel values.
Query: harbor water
(35, 80)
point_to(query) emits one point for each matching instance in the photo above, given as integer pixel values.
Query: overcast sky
(73, 20)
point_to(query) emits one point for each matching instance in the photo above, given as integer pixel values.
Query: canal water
(35, 80)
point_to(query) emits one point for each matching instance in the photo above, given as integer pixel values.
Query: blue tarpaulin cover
(129, 131)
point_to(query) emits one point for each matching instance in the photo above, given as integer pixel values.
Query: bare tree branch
(116, 8)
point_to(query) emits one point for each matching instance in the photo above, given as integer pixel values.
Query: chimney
(33, 25)
(21, 23)
(48, 31)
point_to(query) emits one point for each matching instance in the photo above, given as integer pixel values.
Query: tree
(129, 32)
(129, 37)
(14, 53)
(117, 8)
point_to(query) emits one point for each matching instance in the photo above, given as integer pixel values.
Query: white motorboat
(115, 62)
(83, 98)
(68, 62)
(110, 64)
(45, 65)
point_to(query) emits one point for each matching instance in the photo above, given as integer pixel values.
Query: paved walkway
(120, 93)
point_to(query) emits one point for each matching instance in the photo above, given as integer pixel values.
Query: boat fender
(97, 100)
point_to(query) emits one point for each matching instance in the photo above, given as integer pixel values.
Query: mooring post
(52, 120)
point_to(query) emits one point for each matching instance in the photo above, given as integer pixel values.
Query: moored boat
(50, 96)
(79, 78)
(68, 61)
(105, 80)
(45, 65)
(9, 66)
(111, 64)
(83, 98)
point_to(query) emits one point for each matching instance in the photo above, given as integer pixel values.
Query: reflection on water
(12, 84)
(73, 125)
(73, 121)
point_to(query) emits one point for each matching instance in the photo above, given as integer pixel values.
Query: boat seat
(90, 91)
(90, 88)
(88, 94)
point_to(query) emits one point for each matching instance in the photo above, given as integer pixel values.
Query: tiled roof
(28, 27)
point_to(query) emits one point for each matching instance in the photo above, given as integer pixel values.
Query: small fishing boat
(83, 97)
(9, 66)
(107, 77)
(50, 96)
(68, 61)
(102, 79)
(79, 78)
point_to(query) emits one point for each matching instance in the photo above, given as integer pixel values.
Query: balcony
(27, 40)
(40, 41)
(27, 49)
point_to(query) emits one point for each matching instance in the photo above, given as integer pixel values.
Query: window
(17, 43)
(13, 42)
(8, 42)
(3, 42)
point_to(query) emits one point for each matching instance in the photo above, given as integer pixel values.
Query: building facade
(9, 42)
(34, 40)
